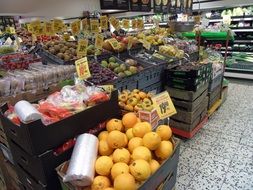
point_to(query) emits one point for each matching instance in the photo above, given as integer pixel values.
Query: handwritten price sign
(82, 48)
(82, 68)
(163, 104)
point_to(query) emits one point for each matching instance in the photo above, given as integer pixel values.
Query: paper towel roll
(81, 168)
(26, 112)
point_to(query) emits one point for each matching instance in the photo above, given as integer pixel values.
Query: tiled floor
(220, 156)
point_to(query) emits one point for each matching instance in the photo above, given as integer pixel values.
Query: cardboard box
(151, 117)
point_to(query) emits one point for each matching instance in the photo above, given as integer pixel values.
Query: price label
(58, 25)
(145, 44)
(140, 24)
(134, 24)
(42, 29)
(75, 27)
(94, 26)
(29, 28)
(163, 104)
(104, 22)
(197, 19)
(85, 24)
(36, 25)
(82, 48)
(49, 30)
(107, 88)
(115, 23)
(99, 41)
(82, 68)
(126, 23)
(11, 30)
(130, 42)
(114, 43)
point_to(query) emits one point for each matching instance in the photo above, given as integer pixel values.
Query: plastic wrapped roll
(81, 168)
(26, 111)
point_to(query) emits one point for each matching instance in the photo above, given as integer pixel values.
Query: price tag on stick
(126, 23)
(94, 26)
(75, 27)
(130, 42)
(114, 43)
(58, 25)
(104, 22)
(163, 104)
(82, 48)
(99, 41)
(82, 68)
(85, 24)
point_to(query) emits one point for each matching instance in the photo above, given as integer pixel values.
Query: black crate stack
(215, 87)
(188, 87)
(33, 145)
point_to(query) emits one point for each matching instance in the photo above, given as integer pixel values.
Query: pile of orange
(129, 153)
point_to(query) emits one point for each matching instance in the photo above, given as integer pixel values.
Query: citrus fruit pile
(129, 153)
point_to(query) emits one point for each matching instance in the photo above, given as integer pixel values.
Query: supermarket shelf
(243, 41)
(243, 30)
(239, 18)
(231, 51)
(238, 75)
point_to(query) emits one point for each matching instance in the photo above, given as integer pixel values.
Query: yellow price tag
(29, 28)
(82, 68)
(1, 32)
(58, 25)
(99, 41)
(115, 23)
(12, 30)
(75, 27)
(82, 48)
(130, 42)
(36, 25)
(145, 44)
(163, 104)
(42, 29)
(107, 88)
(94, 26)
(134, 24)
(104, 22)
(85, 24)
(140, 24)
(126, 23)
(114, 43)
(49, 30)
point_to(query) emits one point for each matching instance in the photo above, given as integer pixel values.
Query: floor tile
(243, 163)
(185, 174)
(238, 178)
(192, 158)
(180, 186)
(226, 186)
(205, 182)
(211, 158)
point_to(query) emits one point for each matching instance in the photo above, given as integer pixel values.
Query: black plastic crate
(164, 178)
(215, 82)
(42, 167)
(156, 88)
(187, 87)
(130, 83)
(190, 81)
(36, 138)
(151, 76)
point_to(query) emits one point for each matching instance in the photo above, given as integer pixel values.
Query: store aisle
(220, 156)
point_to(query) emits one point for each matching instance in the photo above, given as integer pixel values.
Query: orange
(104, 149)
(103, 135)
(103, 165)
(121, 155)
(151, 140)
(114, 124)
(140, 129)
(134, 142)
(164, 131)
(100, 183)
(140, 169)
(129, 120)
(116, 139)
(164, 150)
(154, 165)
(124, 182)
(141, 152)
(119, 168)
